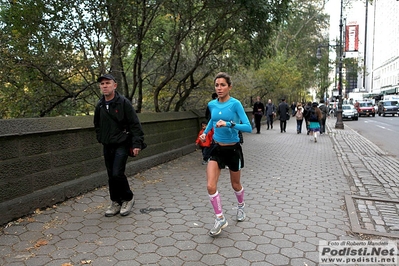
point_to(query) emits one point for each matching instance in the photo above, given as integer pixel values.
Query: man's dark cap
(106, 76)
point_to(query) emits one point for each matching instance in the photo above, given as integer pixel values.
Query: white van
(390, 98)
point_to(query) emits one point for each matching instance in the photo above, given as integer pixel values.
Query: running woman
(227, 118)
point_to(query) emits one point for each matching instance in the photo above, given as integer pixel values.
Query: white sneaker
(126, 207)
(241, 213)
(113, 209)
(220, 223)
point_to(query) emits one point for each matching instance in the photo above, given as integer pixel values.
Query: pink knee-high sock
(216, 203)
(240, 196)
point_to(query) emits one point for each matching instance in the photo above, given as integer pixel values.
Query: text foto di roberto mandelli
(351, 243)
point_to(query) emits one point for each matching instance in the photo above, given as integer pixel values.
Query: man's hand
(136, 151)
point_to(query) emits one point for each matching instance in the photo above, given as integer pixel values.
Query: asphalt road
(383, 131)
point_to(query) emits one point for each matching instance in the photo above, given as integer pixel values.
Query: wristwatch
(233, 124)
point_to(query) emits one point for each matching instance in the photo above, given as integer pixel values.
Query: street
(382, 131)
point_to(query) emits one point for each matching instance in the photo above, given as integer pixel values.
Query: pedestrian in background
(204, 145)
(226, 114)
(207, 112)
(118, 128)
(306, 114)
(299, 118)
(314, 119)
(356, 105)
(270, 112)
(325, 112)
(293, 108)
(257, 113)
(284, 115)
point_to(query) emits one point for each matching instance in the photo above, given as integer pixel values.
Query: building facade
(385, 47)
(376, 47)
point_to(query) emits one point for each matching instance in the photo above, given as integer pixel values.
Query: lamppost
(339, 124)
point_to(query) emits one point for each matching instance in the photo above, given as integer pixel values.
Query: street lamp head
(318, 53)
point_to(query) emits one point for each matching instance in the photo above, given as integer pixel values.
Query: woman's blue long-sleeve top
(230, 110)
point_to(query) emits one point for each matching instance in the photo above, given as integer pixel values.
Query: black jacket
(283, 110)
(258, 105)
(270, 109)
(118, 124)
(324, 110)
(306, 112)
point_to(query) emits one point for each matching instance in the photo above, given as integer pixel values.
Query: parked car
(388, 107)
(366, 108)
(349, 112)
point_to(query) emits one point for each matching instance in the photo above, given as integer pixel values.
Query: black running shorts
(230, 156)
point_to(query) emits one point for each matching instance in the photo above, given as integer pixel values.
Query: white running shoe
(241, 213)
(220, 223)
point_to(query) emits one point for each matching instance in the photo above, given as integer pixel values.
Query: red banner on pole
(352, 38)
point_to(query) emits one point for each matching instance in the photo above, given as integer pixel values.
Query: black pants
(258, 118)
(270, 120)
(283, 125)
(323, 125)
(115, 157)
(206, 153)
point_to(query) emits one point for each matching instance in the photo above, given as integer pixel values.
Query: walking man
(324, 111)
(283, 112)
(118, 129)
(270, 113)
(257, 113)
(293, 107)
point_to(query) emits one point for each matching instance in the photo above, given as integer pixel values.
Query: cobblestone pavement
(373, 174)
(295, 196)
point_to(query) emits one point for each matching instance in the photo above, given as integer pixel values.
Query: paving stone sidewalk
(295, 196)
(373, 174)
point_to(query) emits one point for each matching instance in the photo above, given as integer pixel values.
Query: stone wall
(44, 161)
(48, 160)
